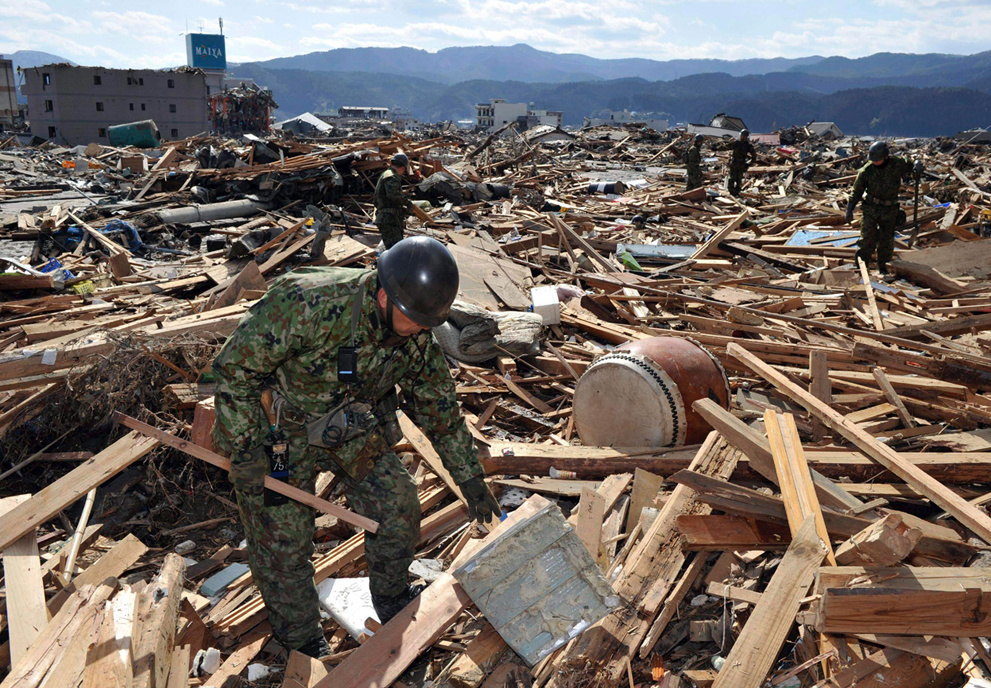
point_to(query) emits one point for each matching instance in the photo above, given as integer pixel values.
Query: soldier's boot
(388, 607)
(317, 648)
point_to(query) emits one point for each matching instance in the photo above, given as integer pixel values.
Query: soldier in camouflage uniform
(877, 184)
(744, 155)
(693, 164)
(390, 202)
(290, 342)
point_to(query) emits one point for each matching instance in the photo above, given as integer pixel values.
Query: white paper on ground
(349, 602)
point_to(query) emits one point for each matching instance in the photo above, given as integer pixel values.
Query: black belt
(874, 200)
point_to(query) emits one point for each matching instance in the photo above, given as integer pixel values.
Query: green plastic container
(143, 134)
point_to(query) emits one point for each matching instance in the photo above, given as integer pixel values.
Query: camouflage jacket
(288, 341)
(389, 192)
(881, 181)
(693, 158)
(744, 154)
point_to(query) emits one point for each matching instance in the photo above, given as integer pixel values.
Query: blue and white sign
(206, 51)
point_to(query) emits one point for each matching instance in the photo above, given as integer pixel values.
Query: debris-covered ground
(830, 530)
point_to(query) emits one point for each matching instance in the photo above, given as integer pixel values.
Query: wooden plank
(66, 490)
(943, 649)
(481, 654)
(646, 486)
(303, 671)
(723, 533)
(219, 461)
(959, 508)
(729, 592)
(48, 647)
(104, 666)
(27, 614)
(111, 565)
(155, 622)
(591, 511)
(720, 235)
(239, 660)
(758, 452)
(746, 502)
(871, 300)
(249, 279)
(671, 604)
(820, 387)
(179, 672)
(68, 668)
(797, 491)
(758, 645)
(883, 543)
(892, 396)
(907, 611)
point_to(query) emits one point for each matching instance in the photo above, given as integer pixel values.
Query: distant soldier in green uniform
(877, 184)
(390, 201)
(744, 155)
(331, 344)
(693, 164)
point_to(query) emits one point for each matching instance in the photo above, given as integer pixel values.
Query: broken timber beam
(758, 645)
(66, 490)
(953, 504)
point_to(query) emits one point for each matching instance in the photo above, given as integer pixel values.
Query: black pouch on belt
(277, 451)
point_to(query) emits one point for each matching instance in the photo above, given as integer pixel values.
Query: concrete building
(626, 118)
(363, 112)
(75, 105)
(498, 113)
(8, 93)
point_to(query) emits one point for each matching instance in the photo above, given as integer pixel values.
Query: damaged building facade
(75, 105)
(498, 113)
(9, 110)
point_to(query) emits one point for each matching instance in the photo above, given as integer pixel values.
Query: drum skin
(641, 394)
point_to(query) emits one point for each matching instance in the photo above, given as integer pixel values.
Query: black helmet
(400, 160)
(420, 277)
(745, 134)
(878, 151)
(638, 220)
(699, 139)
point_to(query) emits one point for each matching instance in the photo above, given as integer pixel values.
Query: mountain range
(881, 94)
(893, 94)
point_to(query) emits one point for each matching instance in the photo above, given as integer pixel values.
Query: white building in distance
(498, 113)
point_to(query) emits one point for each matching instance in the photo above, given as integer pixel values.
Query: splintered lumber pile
(831, 530)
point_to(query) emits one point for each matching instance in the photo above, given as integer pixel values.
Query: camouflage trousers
(280, 538)
(736, 179)
(391, 224)
(695, 180)
(877, 230)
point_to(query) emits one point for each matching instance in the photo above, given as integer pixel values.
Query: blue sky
(149, 34)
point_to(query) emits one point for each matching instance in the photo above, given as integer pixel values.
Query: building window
(101, 132)
(130, 81)
(51, 132)
(172, 108)
(131, 105)
(175, 133)
(49, 106)
(46, 79)
(99, 107)
(141, 81)
(171, 83)
(97, 80)
(142, 107)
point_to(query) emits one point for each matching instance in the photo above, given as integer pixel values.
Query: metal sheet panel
(538, 585)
